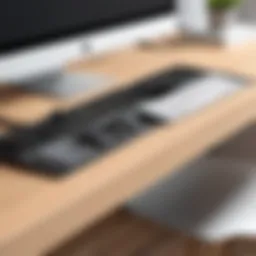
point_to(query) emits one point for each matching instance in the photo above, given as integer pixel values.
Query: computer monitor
(37, 37)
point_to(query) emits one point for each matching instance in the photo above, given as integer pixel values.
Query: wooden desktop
(37, 214)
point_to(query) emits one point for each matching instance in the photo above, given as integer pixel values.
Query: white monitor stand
(62, 83)
(42, 69)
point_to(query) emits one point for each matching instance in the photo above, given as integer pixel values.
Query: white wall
(248, 10)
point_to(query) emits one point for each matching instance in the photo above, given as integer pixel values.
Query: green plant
(223, 5)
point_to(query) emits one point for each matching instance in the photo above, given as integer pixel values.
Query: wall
(248, 10)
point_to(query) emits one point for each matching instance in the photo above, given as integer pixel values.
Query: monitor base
(64, 84)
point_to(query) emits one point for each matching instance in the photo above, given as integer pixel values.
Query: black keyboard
(66, 141)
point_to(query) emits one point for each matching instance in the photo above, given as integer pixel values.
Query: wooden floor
(124, 234)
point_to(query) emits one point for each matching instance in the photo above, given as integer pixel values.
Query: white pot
(221, 22)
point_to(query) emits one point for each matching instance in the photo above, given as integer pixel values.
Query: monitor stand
(62, 83)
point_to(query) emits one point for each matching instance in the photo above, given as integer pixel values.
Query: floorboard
(124, 234)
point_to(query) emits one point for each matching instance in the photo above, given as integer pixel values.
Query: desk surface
(37, 214)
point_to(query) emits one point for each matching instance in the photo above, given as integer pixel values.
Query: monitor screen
(28, 22)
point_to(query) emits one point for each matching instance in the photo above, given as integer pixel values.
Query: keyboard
(68, 140)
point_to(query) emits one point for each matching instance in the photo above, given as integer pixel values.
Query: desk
(37, 214)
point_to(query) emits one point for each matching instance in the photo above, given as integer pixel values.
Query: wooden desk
(38, 214)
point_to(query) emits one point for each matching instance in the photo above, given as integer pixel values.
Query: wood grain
(36, 214)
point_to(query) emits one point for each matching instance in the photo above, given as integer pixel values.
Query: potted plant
(221, 13)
